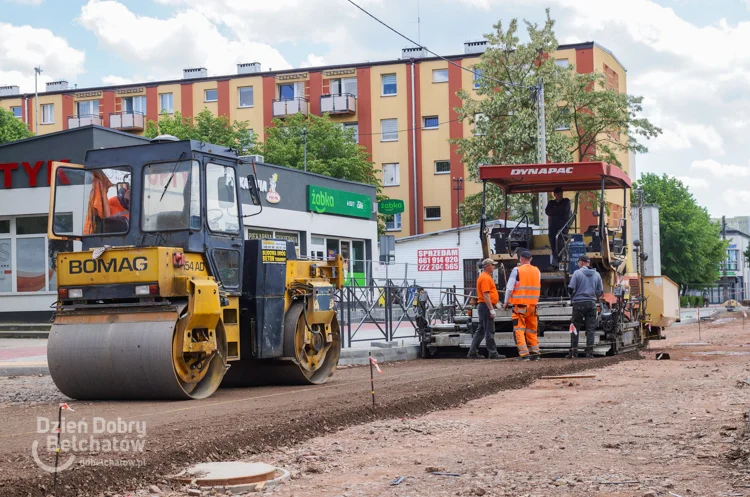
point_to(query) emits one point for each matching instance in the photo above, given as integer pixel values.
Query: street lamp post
(37, 72)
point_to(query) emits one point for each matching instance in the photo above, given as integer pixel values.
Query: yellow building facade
(401, 110)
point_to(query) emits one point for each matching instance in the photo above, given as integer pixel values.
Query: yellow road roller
(159, 294)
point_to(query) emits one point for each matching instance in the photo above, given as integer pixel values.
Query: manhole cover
(227, 474)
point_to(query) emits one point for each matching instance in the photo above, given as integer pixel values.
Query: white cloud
(118, 80)
(23, 47)
(719, 170)
(693, 183)
(682, 136)
(166, 46)
(738, 198)
(313, 60)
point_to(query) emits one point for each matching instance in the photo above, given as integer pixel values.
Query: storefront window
(27, 258)
(6, 261)
(170, 202)
(256, 234)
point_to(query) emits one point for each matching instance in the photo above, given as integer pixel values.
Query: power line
(419, 45)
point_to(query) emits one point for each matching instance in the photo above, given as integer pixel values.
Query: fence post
(349, 314)
(386, 311)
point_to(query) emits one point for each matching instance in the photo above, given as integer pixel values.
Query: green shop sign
(391, 206)
(330, 201)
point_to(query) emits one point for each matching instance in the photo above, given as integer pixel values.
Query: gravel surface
(29, 390)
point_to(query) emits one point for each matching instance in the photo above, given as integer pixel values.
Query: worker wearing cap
(586, 288)
(487, 299)
(559, 212)
(523, 291)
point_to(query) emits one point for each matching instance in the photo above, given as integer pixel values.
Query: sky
(687, 58)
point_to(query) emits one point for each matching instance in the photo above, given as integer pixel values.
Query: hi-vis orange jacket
(528, 286)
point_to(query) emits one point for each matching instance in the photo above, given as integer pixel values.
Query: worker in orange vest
(120, 204)
(487, 299)
(523, 290)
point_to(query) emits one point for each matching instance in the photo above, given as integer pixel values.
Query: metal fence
(391, 310)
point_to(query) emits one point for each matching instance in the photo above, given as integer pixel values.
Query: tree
(691, 245)
(603, 123)
(331, 150)
(12, 128)
(205, 127)
(747, 255)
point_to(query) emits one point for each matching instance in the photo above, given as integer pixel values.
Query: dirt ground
(640, 428)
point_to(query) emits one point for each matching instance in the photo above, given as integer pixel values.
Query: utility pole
(541, 148)
(459, 186)
(726, 260)
(37, 72)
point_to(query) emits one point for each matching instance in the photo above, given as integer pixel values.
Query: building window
(431, 122)
(440, 75)
(134, 105)
(391, 175)
(389, 84)
(341, 86)
(211, 96)
(355, 128)
(87, 108)
(166, 103)
(477, 78)
(562, 62)
(564, 123)
(48, 113)
(432, 213)
(17, 112)
(730, 264)
(27, 258)
(480, 121)
(246, 96)
(442, 167)
(393, 222)
(290, 91)
(388, 130)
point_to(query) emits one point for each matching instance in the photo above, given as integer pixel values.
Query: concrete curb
(360, 356)
(24, 334)
(24, 370)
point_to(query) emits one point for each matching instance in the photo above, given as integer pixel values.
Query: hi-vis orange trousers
(525, 323)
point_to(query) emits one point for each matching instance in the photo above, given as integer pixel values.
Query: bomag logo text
(542, 170)
(113, 265)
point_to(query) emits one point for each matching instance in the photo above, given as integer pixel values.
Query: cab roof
(541, 178)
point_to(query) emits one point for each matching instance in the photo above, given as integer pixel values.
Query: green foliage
(331, 150)
(747, 255)
(607, 121)
(205, 127)
(691, 245)
(12, 128)
(692, 301)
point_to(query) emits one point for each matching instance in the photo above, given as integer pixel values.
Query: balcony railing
(126, 121)
(290, 106)
(84, 120)
(346, 103)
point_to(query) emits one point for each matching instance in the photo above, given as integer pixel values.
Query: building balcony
(287, 107)
(346, 103)
(127, 121)
(84, 120)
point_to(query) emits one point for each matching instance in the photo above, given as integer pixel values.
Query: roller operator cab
(165, 299)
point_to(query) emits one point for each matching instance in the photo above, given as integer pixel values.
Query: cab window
(221, 199)
(92, 201)
(228, 265)
(171, 196)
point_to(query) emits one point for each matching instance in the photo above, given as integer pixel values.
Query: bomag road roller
(631, 302)
(160, 296)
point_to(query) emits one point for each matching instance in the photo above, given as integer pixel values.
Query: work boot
(497, 356)
(474, 355)
(572, 354)
(522, 358)
(589, 355)
(535, 357)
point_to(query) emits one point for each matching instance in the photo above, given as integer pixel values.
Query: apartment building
(401, 110)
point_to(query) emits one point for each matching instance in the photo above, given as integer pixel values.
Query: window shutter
(389, 129)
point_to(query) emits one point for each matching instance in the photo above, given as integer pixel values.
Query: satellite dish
(164, 138)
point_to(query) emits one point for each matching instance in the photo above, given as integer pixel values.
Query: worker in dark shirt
(559, 212)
